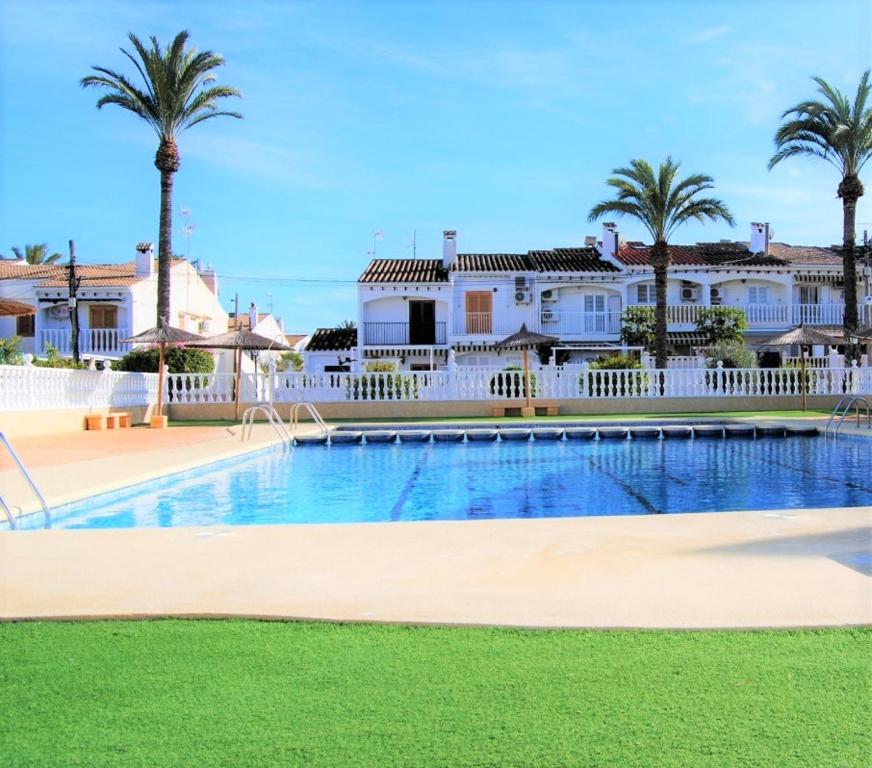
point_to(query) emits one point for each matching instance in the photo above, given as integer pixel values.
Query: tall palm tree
(36, 254)
(177, 93)
(661, 204)
(836, 129)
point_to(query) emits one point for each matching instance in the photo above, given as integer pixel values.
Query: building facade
(416, 313)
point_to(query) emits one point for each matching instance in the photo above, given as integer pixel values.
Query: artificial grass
(243, 693)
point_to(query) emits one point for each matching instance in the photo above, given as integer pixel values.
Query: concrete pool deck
(737, 569)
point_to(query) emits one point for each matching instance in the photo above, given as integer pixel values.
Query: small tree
(733, 354)
(9, 352)
(637, 327)
(721, 324)
(177, 359)
(287, 361)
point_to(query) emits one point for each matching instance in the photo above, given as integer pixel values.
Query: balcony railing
(402, 334)
(486, 324)
(575, 323)
(770, 315)
(92, 341)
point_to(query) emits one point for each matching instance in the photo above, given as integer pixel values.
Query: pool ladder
(33, 486)
(272, 416)
(843, 408)
(294, 418)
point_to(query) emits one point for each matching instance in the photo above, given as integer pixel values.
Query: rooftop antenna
(377, 235)
(187, 230)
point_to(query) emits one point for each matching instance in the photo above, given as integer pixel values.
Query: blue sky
(500, 120)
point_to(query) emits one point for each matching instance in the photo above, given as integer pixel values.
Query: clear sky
(500, 120)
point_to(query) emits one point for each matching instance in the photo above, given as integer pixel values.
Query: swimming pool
(474, 481)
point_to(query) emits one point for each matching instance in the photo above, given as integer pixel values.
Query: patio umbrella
(804, 337)
(12, 308)
(162, 335)
(525, 340)
(240, 340)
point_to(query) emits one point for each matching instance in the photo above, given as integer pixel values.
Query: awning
(677, 337)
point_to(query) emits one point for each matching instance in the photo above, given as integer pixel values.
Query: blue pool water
(477, 481)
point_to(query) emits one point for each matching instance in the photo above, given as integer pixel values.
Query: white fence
(28, 388)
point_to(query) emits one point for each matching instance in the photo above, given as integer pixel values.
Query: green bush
(721, 324)
(622, 384)
(732, 354)
(512, 386)
(637, 327)
(53, 359)
(9, 352)
(177, 359)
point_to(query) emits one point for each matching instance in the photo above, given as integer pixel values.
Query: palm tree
(36, 254)
(178, 93)
(661, 204)
(347, 325)
(839, 131)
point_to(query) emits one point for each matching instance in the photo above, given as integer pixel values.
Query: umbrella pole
(527, 378)
(802, 377)
(238, 377)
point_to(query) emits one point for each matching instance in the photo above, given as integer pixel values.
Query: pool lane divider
(523, 434)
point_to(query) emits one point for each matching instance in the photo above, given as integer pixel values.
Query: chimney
(611, 240)
(210, 279)
(252, 315)
(759, 238)
(590, 241)
(449, 248)
(144, 260)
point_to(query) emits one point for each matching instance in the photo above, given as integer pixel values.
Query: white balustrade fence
(27, 388)
(30, 388)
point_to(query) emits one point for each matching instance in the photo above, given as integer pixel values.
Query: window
(479, 311)
(24, 326)
(645, 294)
(594, 302)
(102, 316)
(758, 294)
(809, 294)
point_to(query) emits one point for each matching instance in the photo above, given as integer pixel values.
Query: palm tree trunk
(165, 247)
(850, 190)
(660, 262)
(167, 161)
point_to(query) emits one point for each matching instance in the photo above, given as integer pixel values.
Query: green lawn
(242, 693)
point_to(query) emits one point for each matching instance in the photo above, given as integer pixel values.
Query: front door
(422, 322)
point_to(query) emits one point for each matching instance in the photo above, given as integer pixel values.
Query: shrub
(177, 359)
(621, 384)
(512, 385)
(287, 361)
(732, 354)
(9, 352)
(721, 324)
(53, 359)
(637, 327)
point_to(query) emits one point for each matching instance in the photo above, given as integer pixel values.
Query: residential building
(417, 312)
(114, 302)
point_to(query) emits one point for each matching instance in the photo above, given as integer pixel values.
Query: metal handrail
(272, 417)
(294, 418)
(9, 516)
(845, 408)
(33, 486)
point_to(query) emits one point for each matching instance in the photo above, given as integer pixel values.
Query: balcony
(576, 323)
(92, 341)
(767, 316)
(485, 324)
(404, 334)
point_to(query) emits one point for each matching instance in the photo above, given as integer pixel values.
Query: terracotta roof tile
(492, 262)
(570, 260)
(329, 339)
(404, 271)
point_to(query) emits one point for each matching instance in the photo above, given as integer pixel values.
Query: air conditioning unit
(549, 316)
(716, 296)
(548, 297)
(688, 294)
(868, 301)
(522, 291)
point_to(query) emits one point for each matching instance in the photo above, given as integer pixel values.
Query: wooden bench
(538, 409)
(107, 421)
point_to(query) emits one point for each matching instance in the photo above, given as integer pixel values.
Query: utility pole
(73, 302)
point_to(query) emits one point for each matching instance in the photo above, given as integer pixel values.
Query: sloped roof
(733, 253)
(806, 254)
(570, 260)
(244, 321)
(404, 271)
(492, 262)
(92, 275)
(328, 339)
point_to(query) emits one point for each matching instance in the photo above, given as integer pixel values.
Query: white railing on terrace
(92, 341)
(685, 361)
(769, 315)
(25, 388)
(561, 322)
(485, 324)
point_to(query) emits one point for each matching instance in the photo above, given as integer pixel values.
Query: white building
(263, 324)
(413, 312)
(115, 301)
